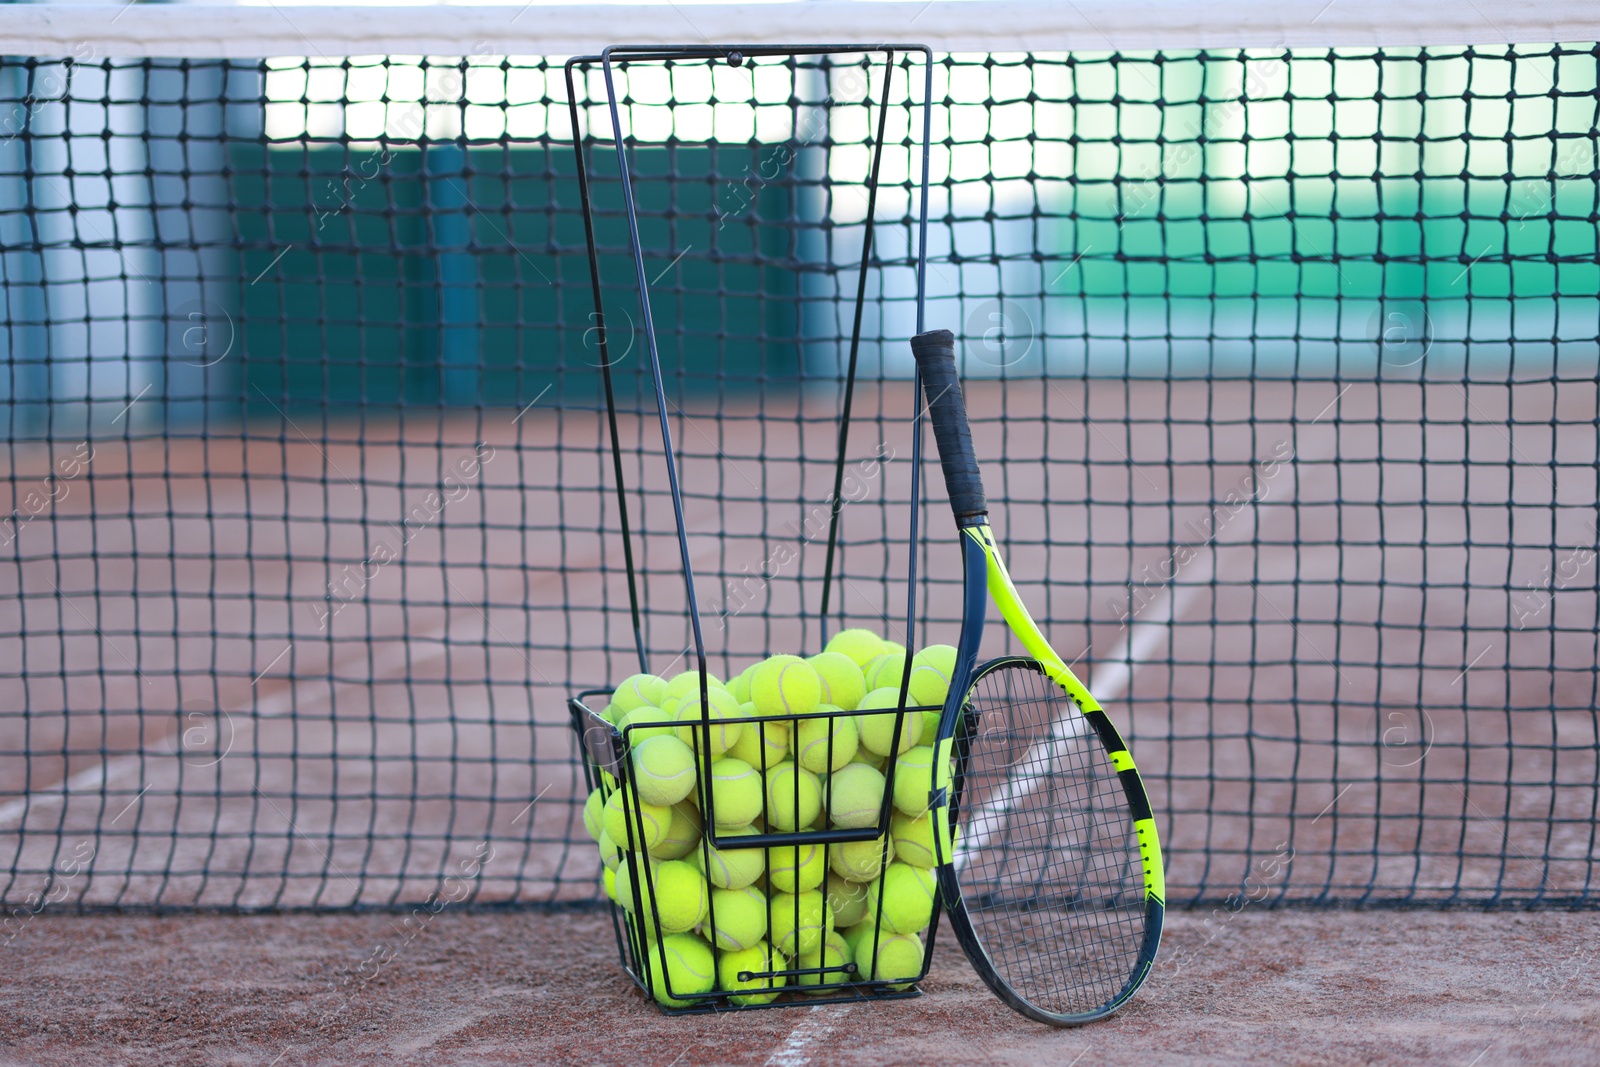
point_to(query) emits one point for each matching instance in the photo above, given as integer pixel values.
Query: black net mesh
(1281, 366)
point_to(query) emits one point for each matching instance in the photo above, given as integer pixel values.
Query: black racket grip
(936, 359)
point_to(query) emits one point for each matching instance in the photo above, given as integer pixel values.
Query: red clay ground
(1286, 987)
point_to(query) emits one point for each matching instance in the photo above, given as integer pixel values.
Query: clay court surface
(359, 763)
(1462, 989)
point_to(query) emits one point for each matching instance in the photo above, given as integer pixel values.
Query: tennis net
(1281, 339)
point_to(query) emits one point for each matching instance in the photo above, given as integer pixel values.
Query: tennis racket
(1054, 882)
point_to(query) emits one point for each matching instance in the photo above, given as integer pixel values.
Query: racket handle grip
(936, 359)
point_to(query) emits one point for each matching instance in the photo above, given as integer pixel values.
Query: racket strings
(1047, 860)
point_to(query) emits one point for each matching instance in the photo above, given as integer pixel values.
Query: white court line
(818, 1024)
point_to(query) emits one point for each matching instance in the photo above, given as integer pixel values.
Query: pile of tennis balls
(716, 915)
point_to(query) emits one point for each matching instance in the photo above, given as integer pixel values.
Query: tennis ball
(798, 921)
(591, 814)
(663, 770)
(785, 685)
(885, 672)
(913, 840)
(931, 671)
(794, 869)
(761, 744)
(736, 918)
(852, 936)
(871, 759)
(637, 691)
(875, 722)
(608, 882)
(739, 685)
(610, 854)
(823, 745)
(683, 833)
(679, 890)
(687, 684)
(794, 798)
(908, 893)
(723, 734)
(735, 793)
(843, 685)
(833, 954)
(860, 861)
(893, 648)
(860, 646)
(732, 868)
(738, 971)
(646, 722)
(855, 796)
(623, 882)
(889, 957)
(679, 965)
(610, 713)
(619, 821)
(913, 780)
(847, 901)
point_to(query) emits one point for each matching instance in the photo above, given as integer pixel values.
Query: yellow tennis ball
(908, 896)
(619, 821)
(889, 957)
(751, 969)
(691, 715)
(829, 959)
(679, 892)
(852, 935)
(875, 722)
(663, 770)
(843, 685)
(608, 882)
(871, 759)
(623, 879)
(681, 686)
(643, 723)
(637, 691)
(733, 868)
(680, 965)
(931, 671)
(735, 793)
(794, 798)
(785, 685)
(798, 921)
(893, 648)
(794, 869)
(761, 744)
(847, 901)
(610, 854)
(855, 796)
(823, 745)
(913, 780)
(683, 833)
(739, 685)
(860, 861)
(592, 809)
(914, 841)
(885, 672)
(861, 646)
(736, 918)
